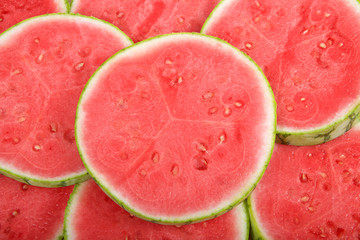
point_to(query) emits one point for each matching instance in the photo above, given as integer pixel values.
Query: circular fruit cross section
(310, 192)
(44, 65)
(308, 50)
(178, 128)
(89, 206)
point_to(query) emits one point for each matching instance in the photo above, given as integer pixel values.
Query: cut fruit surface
(91, 214)
(29, 212)
(178, 128)
(144, 19)
(14, 11)
(308, 50)
(44, 64)
(310, 192)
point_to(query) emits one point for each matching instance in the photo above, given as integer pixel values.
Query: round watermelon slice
(44, 64)
(91, 214)
(143, 19)
(29, 212)
(14, 11)
(178, 128)
(310, 192)
(308, 50)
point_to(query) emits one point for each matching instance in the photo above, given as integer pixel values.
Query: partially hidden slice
(14, 11)
(144, 19)
(309, 52)
(91, 214)
(310, 192)
(178, 128)
(29, 212)
(45, 62)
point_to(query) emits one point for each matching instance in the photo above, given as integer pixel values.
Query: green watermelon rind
(188, 220)
(242, 214)
(335, 128)
(255, 231)
(67, 180)
(68, 6)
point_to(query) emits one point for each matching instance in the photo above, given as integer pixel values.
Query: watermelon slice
(45, 62)
(143, 19)
(29, 213)
(178, 128)
(91, 214)
(310, 192)
(14, 11)
(308, 50)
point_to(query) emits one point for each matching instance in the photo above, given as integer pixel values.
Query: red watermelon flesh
(184, 130)
(91, 214)
(14, 11)
(30, 213)
(44, 65)
(307, 49)
(143, 19)
(310, 192)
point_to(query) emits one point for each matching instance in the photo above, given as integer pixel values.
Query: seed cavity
(175, 169)
(208, 96)
(143, 172)
(311, 209)
(304, 198)
(201, 163)
(356, 181)
(248, 45)
(227, 112)
(289, 108)
(124, 156)
(25, 187)
(168, 61)
(181, 19)
(39, 59)
(213, 110)
(53, 127)
(304, 178)
(322, 174)
(155, 157)
(1, 19)
(69, 135)
(79, 66)
(119, 14)
(145, 95)
(84, 52)
(15, 213)
(222, 137)
(36, 147)
(17, 71)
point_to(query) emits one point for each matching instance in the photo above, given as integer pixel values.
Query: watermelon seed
(296, 221)
(119, 14)
(1, 19)
(306, 31)
(155, 157)
(207, 96)
(227, 112)
(25, 187)
(339, 162)
(53, 127)
(289, 108)
(36, 40)
(342, 156)
(322, 45)
(256, 19)
(175, 169)
(311, 209)
(178, 226)
(302, 99)
(2, 112)
(39, 59)
(341, 44)
(179, 80)
(79, 66)
(36, 147)
(326, 14)
(168, 61)
(181, 19)
(309, 155)
(248, 45)
(305, 198)
(304, 178)
(213, 110)
(257, 3)
(17, 71)
(21, 119)
(122, 102)
(15, 140)
(201, 147)
(222, 137)
(322, 174)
